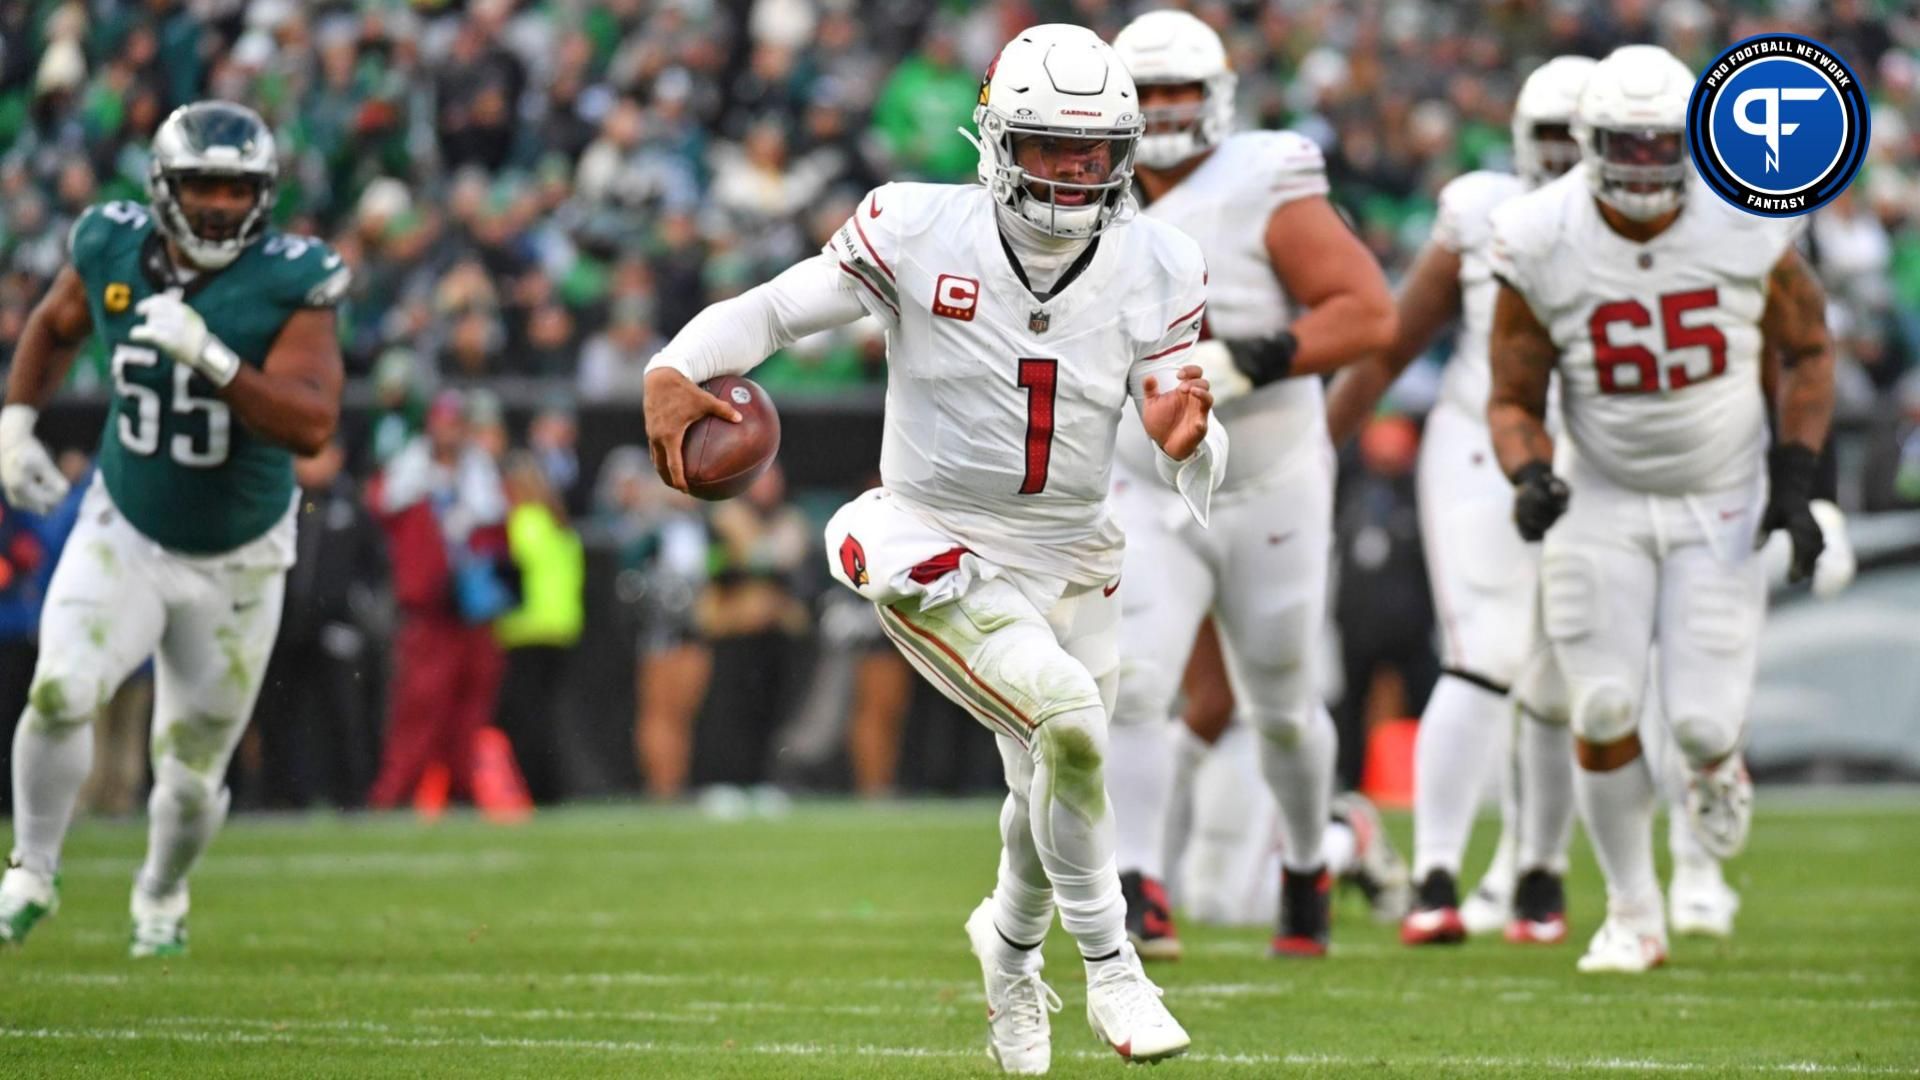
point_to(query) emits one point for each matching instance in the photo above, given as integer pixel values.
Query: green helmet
(211, 138)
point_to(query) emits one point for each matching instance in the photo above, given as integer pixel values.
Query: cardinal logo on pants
(853, 561)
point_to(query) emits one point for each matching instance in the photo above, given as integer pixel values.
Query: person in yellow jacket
(541, 633)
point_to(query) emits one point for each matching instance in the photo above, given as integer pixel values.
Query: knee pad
(65, 699)
(1605, 713)
(191, 753)
(181, 794)
(1071, 748)
(1704, 736)
(1282, 727)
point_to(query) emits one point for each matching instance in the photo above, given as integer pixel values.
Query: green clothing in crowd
(918, 113)
(553, 580)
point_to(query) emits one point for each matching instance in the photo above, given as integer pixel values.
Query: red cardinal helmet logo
(853, 560)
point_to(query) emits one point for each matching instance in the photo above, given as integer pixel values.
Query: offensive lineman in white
(1663, 310)
(1484, 578)
(1021, 314)
(1293, 294)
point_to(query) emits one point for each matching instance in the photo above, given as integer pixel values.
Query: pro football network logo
(1778, 125)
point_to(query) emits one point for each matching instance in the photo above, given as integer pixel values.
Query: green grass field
(637, 942)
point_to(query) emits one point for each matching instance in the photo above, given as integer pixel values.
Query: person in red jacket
(441, 504)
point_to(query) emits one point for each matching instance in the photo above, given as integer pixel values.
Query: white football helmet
(1057, 82)
(1631, 125)
(1547, 99)
(211, 138)
(1163, 48)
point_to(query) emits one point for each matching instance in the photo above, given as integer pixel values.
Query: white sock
(1456, 744)
(1617, 807)
(1301, 777)
(49, 765)
(1073, 829)
(1140, 770)
(181, 822)
(1339, 846)
(1545, 766)
(1189, 751)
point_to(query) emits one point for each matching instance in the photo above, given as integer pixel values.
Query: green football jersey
(173, 458)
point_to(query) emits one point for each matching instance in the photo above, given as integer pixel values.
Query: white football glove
(32, 481)
(169, 325)
(1216, 366)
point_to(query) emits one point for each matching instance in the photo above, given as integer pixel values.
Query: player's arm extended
(1322, 264)
(1429, 300)
(731, 338)
(1522, 354)
(293, 400)
(56, 328)
(1794, 336)
(1325, 268)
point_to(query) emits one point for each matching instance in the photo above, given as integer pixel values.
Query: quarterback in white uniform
(1021, 314)
(1483, 577)
(1293, 293)
(1662, 309)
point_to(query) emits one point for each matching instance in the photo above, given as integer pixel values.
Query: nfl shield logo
(1037, 321)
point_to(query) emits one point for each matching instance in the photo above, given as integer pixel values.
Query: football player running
(1661, 308)
(1021, 314)
(225, 362)
(1484, 578)
(1293, 294)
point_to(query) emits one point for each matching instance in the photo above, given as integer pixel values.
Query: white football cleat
(1630, 941)
(1700, 902)
(25, 899)
(1720, 806)
(159, 924)
(1019, 1036)
(1125, 1010)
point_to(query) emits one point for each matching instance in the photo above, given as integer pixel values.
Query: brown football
(724, 458)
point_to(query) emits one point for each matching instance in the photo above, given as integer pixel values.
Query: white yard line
(283, 1035)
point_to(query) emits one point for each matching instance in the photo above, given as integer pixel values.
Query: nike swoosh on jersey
(1111, 589)
(873, 206)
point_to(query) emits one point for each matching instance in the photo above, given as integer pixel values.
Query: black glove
(1790, 467)
(1265, 360)
(1539, 498)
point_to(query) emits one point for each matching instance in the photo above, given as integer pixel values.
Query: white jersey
(1659, 343)
(1224, 205)
(1464, 226)
(1002, 409)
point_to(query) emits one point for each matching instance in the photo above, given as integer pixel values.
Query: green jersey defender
(225, 363)
(175, 462)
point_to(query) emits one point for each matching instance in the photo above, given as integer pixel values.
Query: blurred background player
(1663, 311)
(225, 358)
(1292, 294)
(1483, 577)
(1022, 313)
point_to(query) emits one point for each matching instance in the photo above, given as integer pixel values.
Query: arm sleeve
(733, 336)
(1196, 477)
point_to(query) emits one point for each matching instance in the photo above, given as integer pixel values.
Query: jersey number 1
(1038, 379)
(139, 425)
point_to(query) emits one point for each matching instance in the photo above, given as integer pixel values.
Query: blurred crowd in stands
(536, 194)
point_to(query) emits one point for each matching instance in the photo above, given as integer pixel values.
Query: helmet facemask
(1641, 172)
(1551, 151)
(1066, 182)
(210, 236)
(1179, 130)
